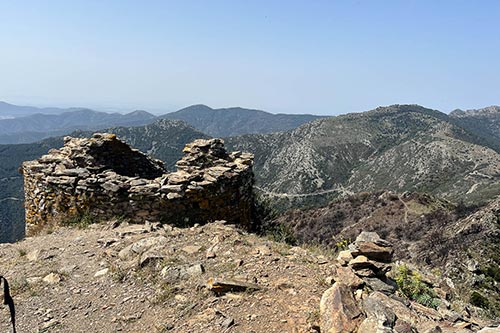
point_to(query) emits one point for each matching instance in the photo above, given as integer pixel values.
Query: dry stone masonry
(105, 177)
(365, 298)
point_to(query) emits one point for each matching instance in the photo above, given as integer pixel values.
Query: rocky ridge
(493, 110)
(485, 123)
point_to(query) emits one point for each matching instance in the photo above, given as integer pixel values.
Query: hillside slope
(399, 148)
(237, 121)
(460, 243)
(485, 123)
(11, 186)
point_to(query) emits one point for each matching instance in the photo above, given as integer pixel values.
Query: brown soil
(129, 298)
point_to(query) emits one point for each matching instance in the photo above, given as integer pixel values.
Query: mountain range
(399, 148)
(39, 126)
(426, 181)
(8, 110)
(23, 124)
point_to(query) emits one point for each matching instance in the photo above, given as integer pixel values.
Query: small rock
(344, 257)
(372, 246)
(321, 260)
(33, 255)
(380, 318)
(462, 325)
(383, 285)
(372, 251)
(372, 237)
(34, 280)
(223, 286)
(67, 269)
(228, 323)
(493, 329)
(126, 253)
(173, 195)
(194, 270)
(329, 280)
(191, 249)
(102, 272)
(472, 266)
(263, 250)
(131, 230)
(359, 262)
(347, 277)
(180, 298)
(49, 324)
(107, 242)
(52, 278)
(151, 256)
(211, 253)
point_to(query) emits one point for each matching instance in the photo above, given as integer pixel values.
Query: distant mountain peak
(234, 121)
(140, 113)
(493, 110)
(196, 107)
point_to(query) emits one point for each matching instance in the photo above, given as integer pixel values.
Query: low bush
(411, 286)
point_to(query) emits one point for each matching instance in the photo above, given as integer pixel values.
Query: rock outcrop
(366, 298)
(105, 177)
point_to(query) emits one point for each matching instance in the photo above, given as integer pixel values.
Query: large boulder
(339, 311)
(370, 245)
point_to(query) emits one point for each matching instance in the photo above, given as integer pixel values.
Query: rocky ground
(116, 277)
(147, 279)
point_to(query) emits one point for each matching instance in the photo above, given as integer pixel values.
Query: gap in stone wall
(117, 156)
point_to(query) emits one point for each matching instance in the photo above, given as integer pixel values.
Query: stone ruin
(105, 177)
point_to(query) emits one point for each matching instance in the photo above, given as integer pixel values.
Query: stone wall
(104, 177)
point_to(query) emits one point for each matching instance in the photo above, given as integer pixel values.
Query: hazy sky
(323, 57)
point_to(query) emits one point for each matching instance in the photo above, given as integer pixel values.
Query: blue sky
(323, 57)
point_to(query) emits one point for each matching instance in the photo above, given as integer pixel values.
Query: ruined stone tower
(105, 177)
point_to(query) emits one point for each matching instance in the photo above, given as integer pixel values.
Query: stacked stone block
(105, 177)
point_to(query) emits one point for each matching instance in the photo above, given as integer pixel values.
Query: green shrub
(411, 286)
(81, 221)
(479, 300)
(281, 233)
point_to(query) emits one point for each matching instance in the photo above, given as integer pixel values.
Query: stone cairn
(363, 297)
(105, 177)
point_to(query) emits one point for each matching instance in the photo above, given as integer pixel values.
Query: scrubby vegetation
(81, 221)
(412, 286)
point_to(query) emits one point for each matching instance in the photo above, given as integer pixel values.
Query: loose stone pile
(363, 298)
(105, 177)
